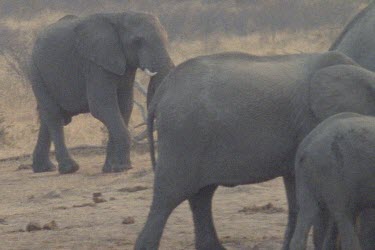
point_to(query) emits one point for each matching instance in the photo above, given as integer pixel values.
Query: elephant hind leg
(307, 214)
(348, 236)
(52, 122)
(41, 160)
(201, 206)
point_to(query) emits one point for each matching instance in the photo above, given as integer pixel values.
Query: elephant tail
(150, 135)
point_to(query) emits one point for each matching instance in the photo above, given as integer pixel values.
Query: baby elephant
(335, 171)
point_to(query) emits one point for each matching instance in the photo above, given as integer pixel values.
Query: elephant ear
(342, 88)
(98, 41)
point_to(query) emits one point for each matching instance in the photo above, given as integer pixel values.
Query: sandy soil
(82, 224)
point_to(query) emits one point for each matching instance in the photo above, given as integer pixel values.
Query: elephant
(335, 171)
(232, 118)
(357, 40)
(88, 64)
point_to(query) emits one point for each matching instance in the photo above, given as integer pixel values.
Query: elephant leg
(41, 160)
(345, 222)
(51, 118)
(290, 182)
(165, 200)
(103, 103)
(125, 103)
(107, 168)
(201, 206)
(324, 234)
(331, 235)
(367, 229)
(308, 212)
(66, 163)
(118, 150)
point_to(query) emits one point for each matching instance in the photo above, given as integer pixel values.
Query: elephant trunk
(157, 76)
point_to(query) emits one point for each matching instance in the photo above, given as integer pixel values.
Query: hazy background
(260, 27)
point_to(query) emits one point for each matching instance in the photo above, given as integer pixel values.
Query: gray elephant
(88, 64)
(357, 40)
(230, 119)
(335, 171)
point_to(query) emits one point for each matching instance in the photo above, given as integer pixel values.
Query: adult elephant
(88, 64)
(357, 40)
(230, 119)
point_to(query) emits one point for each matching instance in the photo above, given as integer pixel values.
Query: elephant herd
(222, 120)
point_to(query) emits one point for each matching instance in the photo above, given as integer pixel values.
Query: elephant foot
(116, 168)
(68, 166)
(40, 167)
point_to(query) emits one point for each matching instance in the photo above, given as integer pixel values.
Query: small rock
(52, 225)
(33, 226)
(3, 221)
(96, 194)
(112, 198)
(128, 221)
(99, 199)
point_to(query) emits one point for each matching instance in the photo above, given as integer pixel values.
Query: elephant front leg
(118, 150)
(118, 155)
(103, 102)
(41, 160)
(289, 182)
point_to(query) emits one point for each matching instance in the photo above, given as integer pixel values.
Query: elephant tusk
(149, 73)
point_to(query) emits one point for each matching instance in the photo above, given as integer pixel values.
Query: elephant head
(126, 41)
(342, 88)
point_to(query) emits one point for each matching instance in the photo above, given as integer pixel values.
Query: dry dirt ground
(247, 217)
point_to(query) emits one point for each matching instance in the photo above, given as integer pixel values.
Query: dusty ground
(82, 224)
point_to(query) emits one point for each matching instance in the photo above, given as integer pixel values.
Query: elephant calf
(335, 171)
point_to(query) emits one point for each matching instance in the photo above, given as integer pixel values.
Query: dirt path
(82, 224)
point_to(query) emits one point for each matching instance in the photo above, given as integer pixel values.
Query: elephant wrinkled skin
(88, 64)
(230, 119)
(335, 171)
